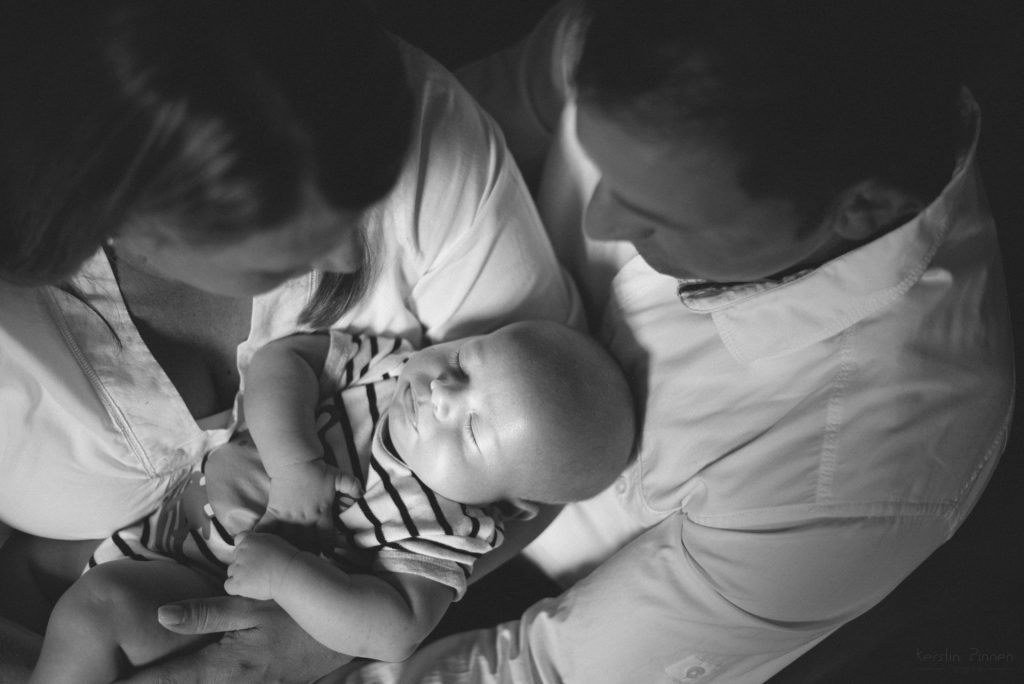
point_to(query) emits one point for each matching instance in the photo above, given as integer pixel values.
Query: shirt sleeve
(687, 603)
(713, 604)
(526, 86)
(484, 259)
(411, 529)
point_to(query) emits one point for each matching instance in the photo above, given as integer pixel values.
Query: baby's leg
(34, 572)
(105, 624)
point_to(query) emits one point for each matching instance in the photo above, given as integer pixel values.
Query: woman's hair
(814, 96)
(211, 116)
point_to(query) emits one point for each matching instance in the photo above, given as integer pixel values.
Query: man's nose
(606, 220)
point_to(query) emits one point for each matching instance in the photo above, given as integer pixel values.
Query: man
(787, 248)
(809, 303)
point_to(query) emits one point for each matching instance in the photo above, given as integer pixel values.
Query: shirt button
(695, 672)
(620, 485)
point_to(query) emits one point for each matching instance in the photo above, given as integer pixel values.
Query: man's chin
(657, 264)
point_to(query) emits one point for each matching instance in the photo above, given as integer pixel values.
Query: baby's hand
(301, 494)
(301, 503)
(259, 565)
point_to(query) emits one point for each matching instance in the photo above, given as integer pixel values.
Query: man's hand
(259, 565)
(263, 645)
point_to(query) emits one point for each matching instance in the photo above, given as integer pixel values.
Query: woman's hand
(262, 645)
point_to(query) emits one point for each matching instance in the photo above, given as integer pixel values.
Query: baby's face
(463, 417)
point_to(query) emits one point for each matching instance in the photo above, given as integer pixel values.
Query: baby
(401, 503)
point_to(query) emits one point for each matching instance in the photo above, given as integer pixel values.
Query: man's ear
(870, 208)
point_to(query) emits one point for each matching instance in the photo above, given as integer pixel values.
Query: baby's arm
(383, 617)
(281, 395)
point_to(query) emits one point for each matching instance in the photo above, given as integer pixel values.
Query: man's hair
(212, 116)
(813, 95)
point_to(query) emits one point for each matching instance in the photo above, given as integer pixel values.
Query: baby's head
(535, 411)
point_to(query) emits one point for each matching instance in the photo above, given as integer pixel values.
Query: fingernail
(170, 615)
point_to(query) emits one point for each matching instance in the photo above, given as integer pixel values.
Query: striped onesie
(397, 525)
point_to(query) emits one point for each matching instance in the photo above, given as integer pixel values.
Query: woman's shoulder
(449, 120)
(24, 316)
(457, 159)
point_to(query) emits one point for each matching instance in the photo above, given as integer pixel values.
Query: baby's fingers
(235, 586)
(347, 490)
(244, 579)
(235, 573)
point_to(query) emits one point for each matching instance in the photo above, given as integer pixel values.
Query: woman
(184, 181)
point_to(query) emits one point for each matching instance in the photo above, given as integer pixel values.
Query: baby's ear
(517, 509)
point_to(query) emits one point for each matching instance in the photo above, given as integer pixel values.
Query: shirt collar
(383, 437)
(138, 394)
(772, 317)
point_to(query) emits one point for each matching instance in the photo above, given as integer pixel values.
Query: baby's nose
(444, 395)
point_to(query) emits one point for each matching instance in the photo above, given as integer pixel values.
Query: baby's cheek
(428, 471)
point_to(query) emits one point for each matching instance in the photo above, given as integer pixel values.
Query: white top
(878, 385)
(93, 433)
(805, 444)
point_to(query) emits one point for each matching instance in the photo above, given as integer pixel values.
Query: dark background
(960, 616)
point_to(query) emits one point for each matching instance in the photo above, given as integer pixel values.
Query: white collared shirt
(835, 390)
(806, 444)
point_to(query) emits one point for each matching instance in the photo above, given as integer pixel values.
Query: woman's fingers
(274, 648)
(210, 615)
